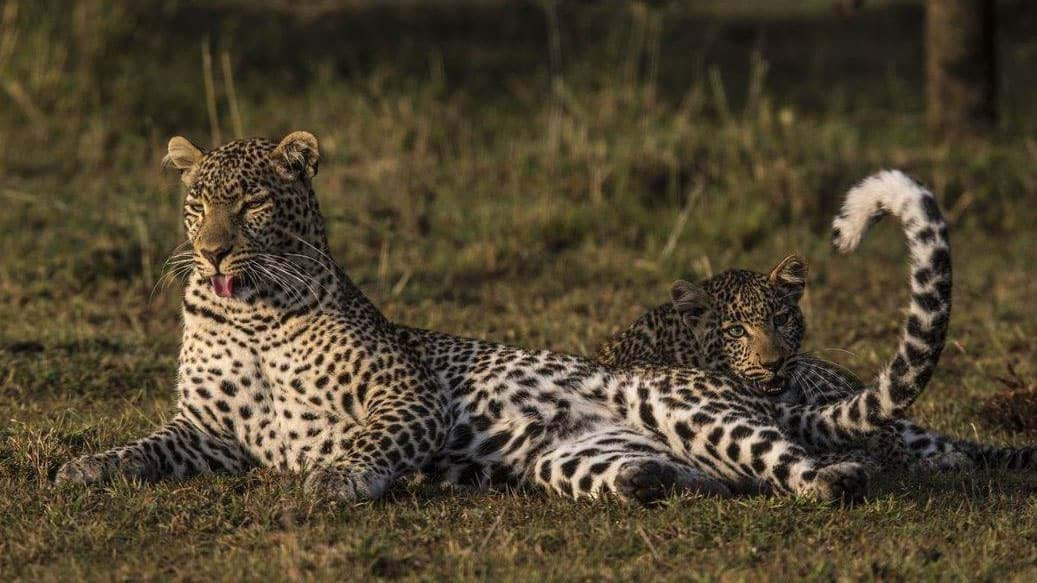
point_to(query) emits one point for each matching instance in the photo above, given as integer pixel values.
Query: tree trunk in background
(961, 65)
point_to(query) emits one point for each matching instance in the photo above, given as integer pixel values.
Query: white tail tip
(887, 191)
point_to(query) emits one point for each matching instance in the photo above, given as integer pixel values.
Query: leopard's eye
(736, 331)
(255, 203)
(781, 318)
(196, 207)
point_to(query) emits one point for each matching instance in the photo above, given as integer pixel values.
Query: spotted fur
(285, 363)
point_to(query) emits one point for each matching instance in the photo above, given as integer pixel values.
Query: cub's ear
(790, 277)
(184, 156)
(690, 300)
(296, 156)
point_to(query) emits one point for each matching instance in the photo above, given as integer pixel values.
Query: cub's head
(248, 204)
(746, 323)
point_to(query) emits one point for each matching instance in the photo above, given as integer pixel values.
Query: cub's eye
(196, 207)
(781, 318)
(735, 331)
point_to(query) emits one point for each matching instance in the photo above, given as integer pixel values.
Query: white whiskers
(176, 267)
(822, 380)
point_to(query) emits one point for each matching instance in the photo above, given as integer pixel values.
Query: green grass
(468, 191)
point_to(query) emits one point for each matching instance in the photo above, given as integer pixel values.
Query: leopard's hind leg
(741, 447)
(620, 461)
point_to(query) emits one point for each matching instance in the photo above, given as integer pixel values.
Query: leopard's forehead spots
(743, 296)
(234, 169)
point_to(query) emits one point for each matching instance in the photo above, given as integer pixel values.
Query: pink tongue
(223, 285)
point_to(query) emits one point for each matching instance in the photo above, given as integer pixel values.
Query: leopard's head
(745, 323)
(249, 204)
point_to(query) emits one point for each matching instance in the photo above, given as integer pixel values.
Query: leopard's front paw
(87, 469)
(336, 484)
(93, 469)
(840, 482)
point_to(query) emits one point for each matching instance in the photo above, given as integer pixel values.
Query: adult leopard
(286, 363)
(746, 324)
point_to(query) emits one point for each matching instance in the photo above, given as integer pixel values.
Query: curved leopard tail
(925, 328)
(904, 377)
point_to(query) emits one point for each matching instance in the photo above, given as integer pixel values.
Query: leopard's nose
(217, 255)
(774, 365)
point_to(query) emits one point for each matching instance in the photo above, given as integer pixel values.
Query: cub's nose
(774, 365)
(215, 256)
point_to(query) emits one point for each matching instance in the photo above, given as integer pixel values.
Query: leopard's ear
(296, 157)
(790, 277)
(690, 300)
(184, 156)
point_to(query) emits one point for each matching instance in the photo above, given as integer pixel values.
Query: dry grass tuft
(1013, 409)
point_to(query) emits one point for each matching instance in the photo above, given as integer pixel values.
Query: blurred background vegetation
(496, 133)
(454, 122)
